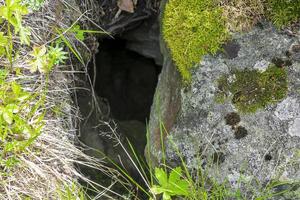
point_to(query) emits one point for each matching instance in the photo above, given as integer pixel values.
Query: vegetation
(194, 28)
(242, 15)
(251, 90)
(18, 128)
(30, 135)
(191, 29)
(283, 13)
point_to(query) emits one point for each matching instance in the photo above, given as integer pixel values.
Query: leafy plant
(12, 11)
(44, 60)
(191, 29)
(16, 133)
(170, 186)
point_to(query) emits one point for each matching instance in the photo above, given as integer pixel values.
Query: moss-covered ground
(252, 90)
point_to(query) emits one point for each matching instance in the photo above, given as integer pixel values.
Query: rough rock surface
(270, 139)
(145, 40)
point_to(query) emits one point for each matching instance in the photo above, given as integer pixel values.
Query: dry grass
(47, 169)
(242, 14)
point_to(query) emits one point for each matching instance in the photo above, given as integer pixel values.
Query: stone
(145, 40)
(199, 127)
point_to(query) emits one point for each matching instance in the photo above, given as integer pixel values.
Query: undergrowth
(36, 154)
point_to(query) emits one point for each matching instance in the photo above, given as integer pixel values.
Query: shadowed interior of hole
(126, 79)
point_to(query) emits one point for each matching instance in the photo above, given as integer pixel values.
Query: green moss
(284, 12)
(252, 90)
(191, 29)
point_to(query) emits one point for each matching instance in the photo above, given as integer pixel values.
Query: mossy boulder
(257, 112)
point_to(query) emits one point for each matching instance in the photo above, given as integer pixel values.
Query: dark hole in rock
(231, 49)
(232, 119)
(240, 132)
(268, 157)
(126, 79)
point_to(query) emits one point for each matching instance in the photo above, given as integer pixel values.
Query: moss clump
(191, 29)
(232, 119)
(240, 133)
(283, 12)
(252, 90)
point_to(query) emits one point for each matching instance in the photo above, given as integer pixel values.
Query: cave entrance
(125, 74)
(126, 79)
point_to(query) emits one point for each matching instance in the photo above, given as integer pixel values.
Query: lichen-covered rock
(259, 145)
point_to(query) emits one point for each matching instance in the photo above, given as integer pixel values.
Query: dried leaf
(126, 5)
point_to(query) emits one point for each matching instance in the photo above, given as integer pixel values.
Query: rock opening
(126, 79)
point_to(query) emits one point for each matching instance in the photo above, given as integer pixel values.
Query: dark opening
(126, 79)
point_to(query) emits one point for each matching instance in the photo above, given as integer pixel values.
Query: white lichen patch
(294, 129)
(261, 65)
(287, 109)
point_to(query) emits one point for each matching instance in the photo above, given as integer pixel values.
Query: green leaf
(25, 35)
(16, 88)
(79, 34)
(57, 55)
(39, 61)
(3, 40)
(166, 196)
(161, 176)
(7, 116)
(175, 175)
(172, 186)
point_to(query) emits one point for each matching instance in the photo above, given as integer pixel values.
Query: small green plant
(16, 131)
(12, 11)
(170, 186)
(70, 192)
(251, 90)
(191, 29)
(45, 59)
(283, 12)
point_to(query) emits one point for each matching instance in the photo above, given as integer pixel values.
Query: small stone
(240, 133)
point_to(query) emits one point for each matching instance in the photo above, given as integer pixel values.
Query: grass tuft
(283, 12)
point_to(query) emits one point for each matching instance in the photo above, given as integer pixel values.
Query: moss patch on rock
(250, 90)
(191, 29)
(283, 12)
